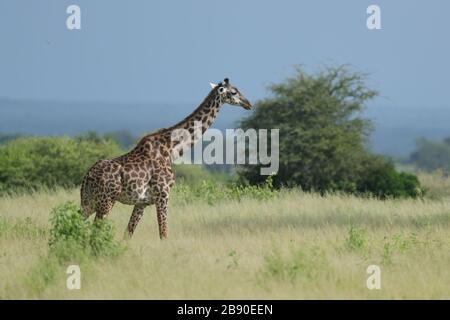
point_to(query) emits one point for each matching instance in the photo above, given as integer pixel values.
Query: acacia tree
(323, 136)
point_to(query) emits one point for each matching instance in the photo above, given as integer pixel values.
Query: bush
(212, 192)
(74, 237)
(380, 179)
(34, 162)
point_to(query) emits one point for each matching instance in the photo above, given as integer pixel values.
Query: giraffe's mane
(165, 130)
(208, 98)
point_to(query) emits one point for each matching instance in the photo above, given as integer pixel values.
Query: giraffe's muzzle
(246, 104)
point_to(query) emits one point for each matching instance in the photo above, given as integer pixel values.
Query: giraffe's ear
(213, 85)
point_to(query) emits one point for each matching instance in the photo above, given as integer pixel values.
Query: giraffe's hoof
(127, 236)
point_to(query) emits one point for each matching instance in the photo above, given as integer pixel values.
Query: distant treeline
(5, 137)
(431, 155)
(122, 137)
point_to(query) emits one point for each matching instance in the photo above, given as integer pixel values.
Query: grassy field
(293, 246)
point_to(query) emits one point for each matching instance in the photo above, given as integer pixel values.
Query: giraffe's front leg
(161, 211)
(138, 211)
(161, 190)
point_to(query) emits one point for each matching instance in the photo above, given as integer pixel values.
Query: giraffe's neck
(188, 131)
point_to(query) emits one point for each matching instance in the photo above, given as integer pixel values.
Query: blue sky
(168, 51)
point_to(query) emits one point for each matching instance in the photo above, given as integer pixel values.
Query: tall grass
(225, 243)
(436, 184)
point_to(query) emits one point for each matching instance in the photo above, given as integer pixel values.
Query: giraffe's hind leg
(137, 214)
(87, 211)
(107, 193)
(161, 213)
(104, 208)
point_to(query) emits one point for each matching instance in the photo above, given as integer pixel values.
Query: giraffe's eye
(233, 92)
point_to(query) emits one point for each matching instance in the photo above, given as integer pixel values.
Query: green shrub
(380, 178)
(74, 237)
(102, 239)
(213, 192)
(263, 191)
(34, 162)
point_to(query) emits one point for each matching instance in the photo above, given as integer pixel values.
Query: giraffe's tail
(87, 205)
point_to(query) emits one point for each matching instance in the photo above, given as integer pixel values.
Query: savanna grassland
(282, 245)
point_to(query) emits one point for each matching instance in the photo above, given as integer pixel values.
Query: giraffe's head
(231, 95)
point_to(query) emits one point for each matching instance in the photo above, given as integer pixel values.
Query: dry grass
(436, 184)
(296, 246)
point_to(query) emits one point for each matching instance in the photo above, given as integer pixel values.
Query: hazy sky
(154, 51)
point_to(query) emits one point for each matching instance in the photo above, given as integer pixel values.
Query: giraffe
(144, 175)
